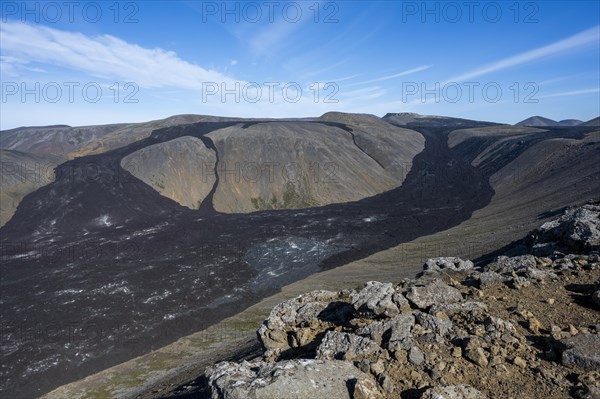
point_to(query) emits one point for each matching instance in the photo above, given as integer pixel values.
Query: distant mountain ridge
(171, 171)
(592, 122)
(411, 118)
(540, 121)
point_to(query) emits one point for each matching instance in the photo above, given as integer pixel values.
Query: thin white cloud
(360, 92)
(13, 66)
(271, 39)
(102, 56)
(233, 62)
(325, 69)
(585, 37)
(554, 80)
(394, 76)
(572, 93)
(342, 79)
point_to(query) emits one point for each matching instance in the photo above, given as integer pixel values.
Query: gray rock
(520, 282)
(452, 392)
(401, 327)
(366, 389)
(400, 301)
(436, 324)
(488, 279)
(435, 292)
(293, 379)
(496, 324)
(348, 347)
(416, 356)
(578, 229)
(533, 273)
(375, 331)
(583, 351)
(302, 319)
(396, 329)
(506, 265)
(377, 298)
(447, 263)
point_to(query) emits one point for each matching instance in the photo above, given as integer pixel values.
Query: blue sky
(107, 62)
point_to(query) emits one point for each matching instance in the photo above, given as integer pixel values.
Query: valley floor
(172, 371)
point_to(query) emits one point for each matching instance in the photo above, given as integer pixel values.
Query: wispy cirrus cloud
(580, 39)
(103, 56)
(394, 76)
(572, 93)
(362, 95)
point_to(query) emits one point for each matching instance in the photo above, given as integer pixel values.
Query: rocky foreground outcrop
(521, 327)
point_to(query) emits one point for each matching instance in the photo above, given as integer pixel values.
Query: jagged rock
(583, 351)
(349, 347)
(578, 229)
(518, 270)
(447, 263)
(505, 264)
(477, 356)
(475, 353)
(488, 279)
(379, 299)
(297, 322)
(434, 292)
(437, 324)
(401, 327)
(388, 385)
(533, 273)
(416, 356)
(520, 282)
(452, 392)
(366, 389)
(498, 325)
(293, 379)
(519, 361)
(394, 330)
(375, 331)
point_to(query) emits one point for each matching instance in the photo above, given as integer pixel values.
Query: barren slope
(181, 169)
(22, 173)
(281, 164)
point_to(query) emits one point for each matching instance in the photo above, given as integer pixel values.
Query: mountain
(48, 146)
(164, 236)
(570, 122)
(592, 122)
(138, 131)
(280, 165)
(539, 121)
(23, 173)
(59, 140)
(412, 119)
